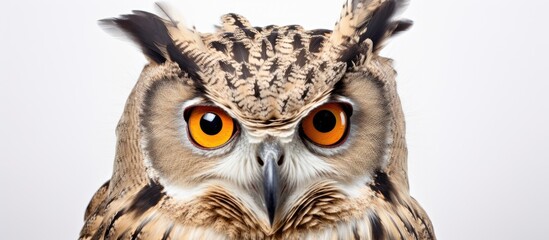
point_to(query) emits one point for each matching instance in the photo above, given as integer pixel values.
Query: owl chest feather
(323, 213)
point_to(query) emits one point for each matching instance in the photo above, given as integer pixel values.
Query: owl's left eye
(327, 125)
(210, 127)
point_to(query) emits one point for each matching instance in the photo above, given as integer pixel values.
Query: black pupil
(211, 124)
(324, 121)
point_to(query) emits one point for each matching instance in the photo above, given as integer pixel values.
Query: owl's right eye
(210, 127)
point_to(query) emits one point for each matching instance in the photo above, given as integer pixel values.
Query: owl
(274, 132)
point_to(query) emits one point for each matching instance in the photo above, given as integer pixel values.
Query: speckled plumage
(267, 79)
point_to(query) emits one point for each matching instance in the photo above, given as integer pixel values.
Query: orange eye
(326, 125)
(210, 127)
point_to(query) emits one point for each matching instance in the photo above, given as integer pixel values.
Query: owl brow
(338, 88)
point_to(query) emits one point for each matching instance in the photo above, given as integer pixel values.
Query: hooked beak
(270, 156)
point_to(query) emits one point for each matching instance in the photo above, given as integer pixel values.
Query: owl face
(263, 121)
(270, 144)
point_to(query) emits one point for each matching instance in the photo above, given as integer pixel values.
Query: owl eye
(210, 127)
(326, 125)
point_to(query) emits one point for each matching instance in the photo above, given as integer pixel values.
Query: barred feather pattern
(322, 213)
(266, 73)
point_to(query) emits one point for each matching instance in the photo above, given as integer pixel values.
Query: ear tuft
(145, 29)
(378, 28)
(151, 33)
(402, 25)
(366, 19)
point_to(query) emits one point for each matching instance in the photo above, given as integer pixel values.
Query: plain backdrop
(472, 78)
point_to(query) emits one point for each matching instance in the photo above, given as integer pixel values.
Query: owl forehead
(267, 73)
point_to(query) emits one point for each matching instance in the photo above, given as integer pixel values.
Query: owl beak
(270, 156)
(270, 184)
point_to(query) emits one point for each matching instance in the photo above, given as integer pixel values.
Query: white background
(472, 77)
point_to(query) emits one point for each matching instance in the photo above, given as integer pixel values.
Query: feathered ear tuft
(151, 33)
(381, 27)
(366, 19)
(145, 29)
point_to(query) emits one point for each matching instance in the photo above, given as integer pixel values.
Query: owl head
(263, 126)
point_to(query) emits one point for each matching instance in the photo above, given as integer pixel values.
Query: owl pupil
(324, 121)
(211, 124)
